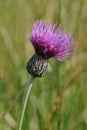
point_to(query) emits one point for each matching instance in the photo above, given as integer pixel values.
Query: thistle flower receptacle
(48, 41)
(37, 66)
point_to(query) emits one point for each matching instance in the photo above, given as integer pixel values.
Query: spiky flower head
(50, 41)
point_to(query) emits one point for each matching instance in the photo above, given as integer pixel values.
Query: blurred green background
(58, 101)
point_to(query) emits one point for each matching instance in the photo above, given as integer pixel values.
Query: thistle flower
(48, 41)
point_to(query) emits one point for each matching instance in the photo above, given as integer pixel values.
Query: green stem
(24, 102)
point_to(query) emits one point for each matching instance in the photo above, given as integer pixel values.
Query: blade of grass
(13, 53)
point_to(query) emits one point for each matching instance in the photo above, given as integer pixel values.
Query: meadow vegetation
(58, 101)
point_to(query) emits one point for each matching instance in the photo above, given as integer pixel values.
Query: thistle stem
(24, 102)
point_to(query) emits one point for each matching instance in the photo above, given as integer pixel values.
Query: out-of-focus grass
(16, 20)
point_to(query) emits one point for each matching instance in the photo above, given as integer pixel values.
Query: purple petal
(51, 42)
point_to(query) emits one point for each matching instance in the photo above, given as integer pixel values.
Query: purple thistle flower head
(50, 41)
